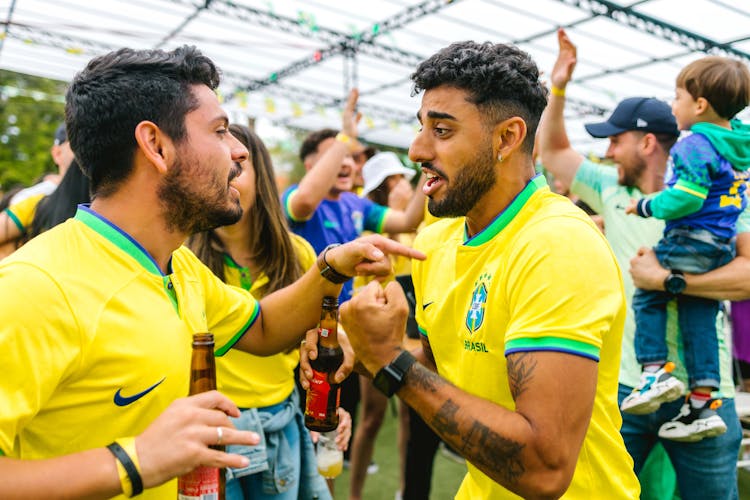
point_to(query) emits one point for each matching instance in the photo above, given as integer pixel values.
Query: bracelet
(127, 466)
(557, 91)
(345, 139)
(329, 272)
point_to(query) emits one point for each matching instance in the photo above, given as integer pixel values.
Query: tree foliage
(31, 108)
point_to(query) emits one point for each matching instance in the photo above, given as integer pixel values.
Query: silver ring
(219, 435)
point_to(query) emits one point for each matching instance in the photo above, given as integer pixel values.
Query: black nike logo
(428, 304)
(121, 400)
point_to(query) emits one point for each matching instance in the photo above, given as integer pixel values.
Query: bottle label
(200, 484)
(318, 396)
(324, 332)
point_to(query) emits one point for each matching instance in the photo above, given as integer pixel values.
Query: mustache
(432, 167)
(236, 171)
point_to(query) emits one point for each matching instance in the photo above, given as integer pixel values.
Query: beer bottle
(203, 483)
(323, 394)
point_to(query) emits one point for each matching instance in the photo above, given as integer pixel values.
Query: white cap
(380, 167)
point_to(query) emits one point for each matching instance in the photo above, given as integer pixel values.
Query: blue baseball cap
(646, 114)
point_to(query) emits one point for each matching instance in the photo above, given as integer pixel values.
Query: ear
(154, 145)
(648, 144)
(701, 105)
(508, 136)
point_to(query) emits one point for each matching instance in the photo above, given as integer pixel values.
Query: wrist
(128, 466)
(350, 141)
(558, 91)
(327, 270)
(391, 377)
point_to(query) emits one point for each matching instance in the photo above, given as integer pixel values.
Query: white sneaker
(654, 389)
(694, 424)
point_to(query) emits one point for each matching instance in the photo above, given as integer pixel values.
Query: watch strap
(329, 272)
(391, 377)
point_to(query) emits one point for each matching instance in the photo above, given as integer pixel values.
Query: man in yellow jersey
(520, 301)
(97, 314)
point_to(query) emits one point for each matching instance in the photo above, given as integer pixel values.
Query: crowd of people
(558, 355)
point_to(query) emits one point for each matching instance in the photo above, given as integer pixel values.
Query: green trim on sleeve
(692, 188)
(422, 330)
(676, 202)
(288, 207)
(2, 453)
(223, 349)
(552, 344)
(15, 220)
(381, 223)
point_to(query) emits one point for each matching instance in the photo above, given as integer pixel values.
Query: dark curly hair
(501, 80)
(118, 90)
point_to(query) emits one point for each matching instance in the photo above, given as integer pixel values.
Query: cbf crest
(475, 316)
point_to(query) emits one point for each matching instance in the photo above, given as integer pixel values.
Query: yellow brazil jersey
(258, 381)
(22, 213)
(97, 341)
(539, 277)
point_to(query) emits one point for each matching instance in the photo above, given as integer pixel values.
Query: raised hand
(567, 57)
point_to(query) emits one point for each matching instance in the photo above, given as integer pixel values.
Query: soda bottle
(323, 394)
(203, 483)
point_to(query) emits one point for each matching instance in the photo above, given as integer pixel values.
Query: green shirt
(597, 185)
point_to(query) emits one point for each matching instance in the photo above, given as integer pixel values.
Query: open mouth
(433, 182)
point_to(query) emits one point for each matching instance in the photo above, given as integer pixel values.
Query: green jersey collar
(507, 215)
(119, 238)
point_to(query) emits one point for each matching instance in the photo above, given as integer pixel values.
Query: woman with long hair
(259, 253)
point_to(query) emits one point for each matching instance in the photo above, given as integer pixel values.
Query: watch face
(675, 283)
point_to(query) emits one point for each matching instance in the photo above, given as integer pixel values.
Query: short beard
(632, 176)
(186, 204)
(474, 180)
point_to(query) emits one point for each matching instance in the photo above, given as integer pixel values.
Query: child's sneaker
(655, 388)
(693, 424)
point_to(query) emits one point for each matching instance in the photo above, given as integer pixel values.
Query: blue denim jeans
(706, 469)
(290, 471)
(694, 251)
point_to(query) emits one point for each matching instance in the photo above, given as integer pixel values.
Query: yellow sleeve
(564, 296)
(305, 252)
(22, 213)
(41, 342)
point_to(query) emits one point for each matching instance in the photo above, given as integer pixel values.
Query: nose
(419, 150)
(348, 161)
(239, 151)
(610, 151)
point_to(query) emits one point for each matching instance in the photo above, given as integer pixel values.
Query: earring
(500, 157)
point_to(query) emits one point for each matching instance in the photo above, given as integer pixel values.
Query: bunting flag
(270, 105)
(77, 51)
(321, 110)
(297, 110)
(219, 96)
(369, 122)
(241, 99)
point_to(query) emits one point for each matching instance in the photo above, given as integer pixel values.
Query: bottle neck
(328, 333)
(202, 369)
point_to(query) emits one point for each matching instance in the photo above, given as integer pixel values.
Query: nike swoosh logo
(121, 400)
(425, 306)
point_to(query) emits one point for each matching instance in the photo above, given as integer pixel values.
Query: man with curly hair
(520, 301)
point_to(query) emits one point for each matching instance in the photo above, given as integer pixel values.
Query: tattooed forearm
(444, 422)
(423, 379)
(521, 368)
(489, 450)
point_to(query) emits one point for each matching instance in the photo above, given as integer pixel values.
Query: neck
(143, 222)
(652, 179)
(510, 182)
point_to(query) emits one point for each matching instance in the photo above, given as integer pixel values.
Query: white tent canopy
(291, 61)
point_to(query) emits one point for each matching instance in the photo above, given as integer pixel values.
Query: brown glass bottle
(323, 394)
(204, 483)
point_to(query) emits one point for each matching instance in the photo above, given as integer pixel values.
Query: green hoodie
(734, 144)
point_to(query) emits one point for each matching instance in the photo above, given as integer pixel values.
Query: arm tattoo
(487, 449)
(424, 379)
(491, 451)
(520, 370)
(444, 422)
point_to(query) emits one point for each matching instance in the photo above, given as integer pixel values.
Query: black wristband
(329, 272)
(122, 456)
